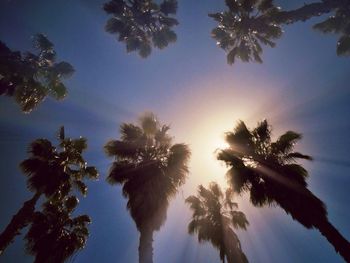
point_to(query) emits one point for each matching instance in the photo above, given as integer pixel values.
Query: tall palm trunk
(145, 246)
(18, 221)
(341, 245)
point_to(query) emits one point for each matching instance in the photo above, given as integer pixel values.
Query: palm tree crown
(55, 170)
(54, 235)
(244, 27)
(29, 77)
(269, 171)
(141, 24)
(150, 168)
(214, 217)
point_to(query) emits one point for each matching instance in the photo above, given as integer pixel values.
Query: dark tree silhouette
(52, 172)
(30, 78)
(214, 217)
(249, 24)
(54, 235)
(269, 171)
(151, 169)
(142, 24)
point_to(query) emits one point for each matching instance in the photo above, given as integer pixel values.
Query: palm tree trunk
(145, 246)
(18, 221)
(341, 245)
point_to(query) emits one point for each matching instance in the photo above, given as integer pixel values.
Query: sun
(205, 145)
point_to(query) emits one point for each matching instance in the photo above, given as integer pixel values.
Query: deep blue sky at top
(302, 85)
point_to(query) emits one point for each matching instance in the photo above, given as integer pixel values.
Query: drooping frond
(178, 157)
(121, 149)
(239, 220)
(130, 132)
(296, 155)
(120, 172)
(286, 142)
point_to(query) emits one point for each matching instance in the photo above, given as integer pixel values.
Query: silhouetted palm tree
(151, 168)
(244, 28)
(270, 173)
(247, 24)
(51, 171)
(54, 235)
(29, 77)
(214, 217)
(141, 24)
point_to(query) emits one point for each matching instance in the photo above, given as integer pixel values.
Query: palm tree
(214, 217)
(249, 23)
(30, 78)
(151, 169)
(54, 235)
(244, 28)
(141, 24)
(52, 172)
(269, 171)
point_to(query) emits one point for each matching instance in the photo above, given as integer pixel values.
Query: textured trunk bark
(18, 221)
(145, 246)
(341, 245)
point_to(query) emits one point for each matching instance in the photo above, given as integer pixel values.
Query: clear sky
(302, 85)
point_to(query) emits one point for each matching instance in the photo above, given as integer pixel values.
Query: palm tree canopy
(249, 24)
(339, 23)
(30, 77)
(55, 170)
(149, 167)
(142, 24)
(269, 171)
(215, 215)
(244, 27)
(54, 235)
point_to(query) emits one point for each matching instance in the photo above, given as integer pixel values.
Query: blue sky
(302, 85)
